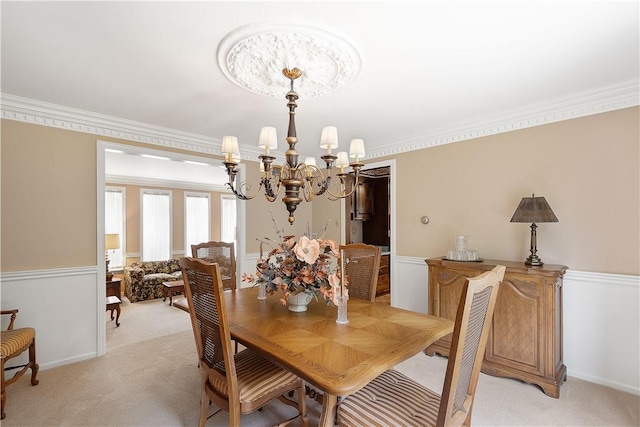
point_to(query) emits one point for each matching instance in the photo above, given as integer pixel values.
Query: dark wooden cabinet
(525, 340)
(363, 196)
(383, 286)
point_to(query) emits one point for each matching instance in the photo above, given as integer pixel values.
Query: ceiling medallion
(254, 55)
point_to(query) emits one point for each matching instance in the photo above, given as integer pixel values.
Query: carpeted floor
(149, 377)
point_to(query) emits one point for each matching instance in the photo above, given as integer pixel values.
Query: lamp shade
(356, 149)
(533, 209)
(230, 145)
(329, 137)
(268, 138)
(343, 159)
(111, 241)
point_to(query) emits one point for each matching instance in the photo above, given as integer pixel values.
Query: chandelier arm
(269, 193)
(314, 176)
(311, 175)
(240, 193)
(333, 197)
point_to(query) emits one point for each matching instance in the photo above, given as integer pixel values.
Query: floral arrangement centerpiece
(308, 264)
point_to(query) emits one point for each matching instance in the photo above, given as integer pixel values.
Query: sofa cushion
(157, 278)
(166, 266)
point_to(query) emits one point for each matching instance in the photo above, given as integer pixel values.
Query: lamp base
(534, 261)
(109, 277)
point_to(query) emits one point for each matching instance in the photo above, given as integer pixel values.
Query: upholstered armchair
(13, 343)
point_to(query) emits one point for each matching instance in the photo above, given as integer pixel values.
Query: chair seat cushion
(257, 377)
(16, 340)
(392, 399)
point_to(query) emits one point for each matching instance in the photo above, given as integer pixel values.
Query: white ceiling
(432, 71)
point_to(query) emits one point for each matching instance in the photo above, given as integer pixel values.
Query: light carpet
(149, 377)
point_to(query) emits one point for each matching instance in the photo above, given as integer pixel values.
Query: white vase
(299, 301)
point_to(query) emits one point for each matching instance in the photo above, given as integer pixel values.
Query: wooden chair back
(240, 382)
(470, 333)
(362, 265)
(393, 399)
(221, 253)
(204, 292)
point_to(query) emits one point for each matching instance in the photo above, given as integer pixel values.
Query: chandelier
(294, 177)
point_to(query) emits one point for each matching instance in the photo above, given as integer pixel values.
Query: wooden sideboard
(525, 340)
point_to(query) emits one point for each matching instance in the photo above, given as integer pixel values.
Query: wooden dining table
(337, 359)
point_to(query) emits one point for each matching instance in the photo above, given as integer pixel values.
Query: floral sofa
(143, 280)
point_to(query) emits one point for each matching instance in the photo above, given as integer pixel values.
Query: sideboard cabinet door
(525, 340)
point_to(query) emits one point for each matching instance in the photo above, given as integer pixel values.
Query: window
(114, 214)
(228, 219)
(155, 225)
(197, 209)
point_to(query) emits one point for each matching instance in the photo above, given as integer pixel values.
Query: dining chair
(238, 383)
(13, 342)
(362, 265)
(222, 253)
(393, 399)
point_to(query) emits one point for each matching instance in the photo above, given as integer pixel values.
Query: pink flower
(307, 250)
(331, 244)
(334, 281)
(336, 288)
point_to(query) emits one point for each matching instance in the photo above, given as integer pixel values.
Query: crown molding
(58, 116)
(601, 100)
(154, 182)
(609, 98)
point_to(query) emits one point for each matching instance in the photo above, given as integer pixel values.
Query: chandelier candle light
(295, 177)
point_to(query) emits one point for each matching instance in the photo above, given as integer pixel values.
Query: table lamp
(533, 209)
(111, 242)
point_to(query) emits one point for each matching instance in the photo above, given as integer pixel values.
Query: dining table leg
(329, 405)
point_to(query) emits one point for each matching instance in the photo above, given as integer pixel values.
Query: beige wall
(48, 198)
(327, 212)
(586, 168)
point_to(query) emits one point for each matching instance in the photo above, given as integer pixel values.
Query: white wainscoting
(601, 316)
(61, 305)
(601, 320)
